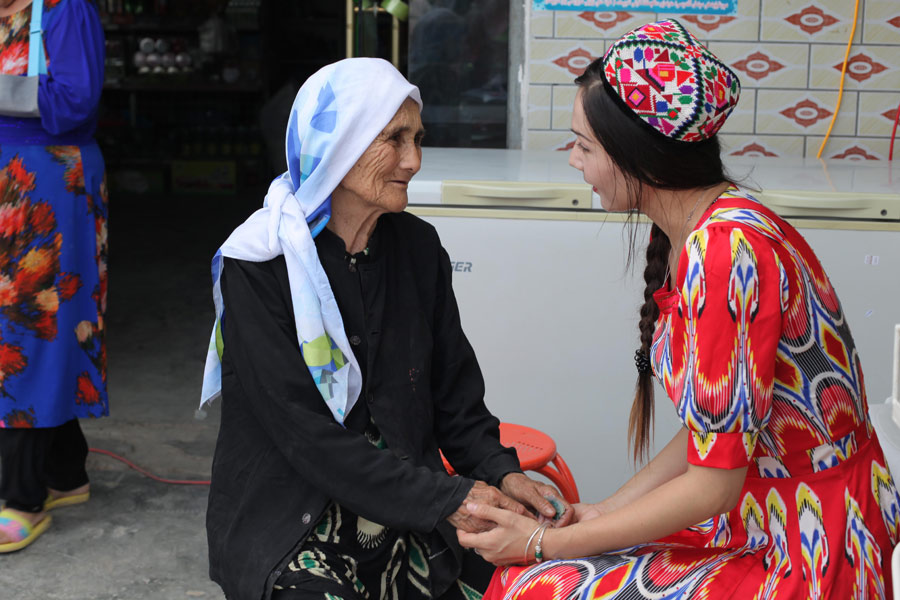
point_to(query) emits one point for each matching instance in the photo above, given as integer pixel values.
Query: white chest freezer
(545, 299)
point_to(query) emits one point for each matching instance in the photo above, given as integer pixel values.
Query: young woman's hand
(505, 543)
(585, 512)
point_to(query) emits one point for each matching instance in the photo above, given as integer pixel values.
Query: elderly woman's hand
(505, 543)
(534, 494)
(482, 494)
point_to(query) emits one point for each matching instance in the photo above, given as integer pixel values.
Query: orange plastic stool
(537, 452)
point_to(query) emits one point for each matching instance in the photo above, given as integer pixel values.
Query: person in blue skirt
(53, 213)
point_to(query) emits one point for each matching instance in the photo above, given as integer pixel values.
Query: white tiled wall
(788, 54)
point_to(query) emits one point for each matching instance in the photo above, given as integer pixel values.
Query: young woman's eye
(581, 147)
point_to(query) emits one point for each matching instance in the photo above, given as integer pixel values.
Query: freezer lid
(807, 188)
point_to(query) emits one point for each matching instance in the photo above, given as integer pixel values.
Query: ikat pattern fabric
(336, 115)
(672, 81)
(754, 351)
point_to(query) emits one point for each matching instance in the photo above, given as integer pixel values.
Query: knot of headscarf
(336, 115)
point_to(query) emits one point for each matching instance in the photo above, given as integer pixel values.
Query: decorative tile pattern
(820, 21)
(576, 61)
(869, 68)
(754, 149)
(761, 145)
(560, 61)
(788, 54)
(708, 23)
(766, 65)
(597, 24)
(851, 148)
(742, 26)
(876, 113)
(882, 22)
(608, 25)
(758, 65)
(804, 113)
(812, 20)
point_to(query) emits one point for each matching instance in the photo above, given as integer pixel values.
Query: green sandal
(20, 530)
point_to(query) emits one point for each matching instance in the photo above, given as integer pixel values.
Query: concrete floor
(138, 538)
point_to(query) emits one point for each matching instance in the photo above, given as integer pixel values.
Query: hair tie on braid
(641, 361)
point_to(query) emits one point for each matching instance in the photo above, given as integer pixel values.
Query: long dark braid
(642, 409)
(647, 160)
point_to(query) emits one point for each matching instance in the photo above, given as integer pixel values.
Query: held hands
(483, 494)
(535, 495)
(505, 543)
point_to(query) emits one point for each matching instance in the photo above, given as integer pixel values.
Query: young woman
(776, 482)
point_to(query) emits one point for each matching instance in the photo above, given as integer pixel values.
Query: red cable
(894, 134)
(146, 473)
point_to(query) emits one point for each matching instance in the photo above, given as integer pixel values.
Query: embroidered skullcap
(672, 82)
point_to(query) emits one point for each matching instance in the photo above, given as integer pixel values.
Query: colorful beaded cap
(671, 81)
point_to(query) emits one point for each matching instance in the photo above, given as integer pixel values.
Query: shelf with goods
(184, 87)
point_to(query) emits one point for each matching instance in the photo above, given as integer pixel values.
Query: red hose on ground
(147, 473)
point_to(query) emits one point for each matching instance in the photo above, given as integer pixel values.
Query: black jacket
(280, 455)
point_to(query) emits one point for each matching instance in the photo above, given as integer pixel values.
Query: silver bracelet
(528, 543)
(538, 550)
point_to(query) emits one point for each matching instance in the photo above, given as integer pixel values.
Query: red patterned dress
(53, 212)
(755, 353)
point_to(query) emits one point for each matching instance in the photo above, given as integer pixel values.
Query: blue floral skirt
(53, 213)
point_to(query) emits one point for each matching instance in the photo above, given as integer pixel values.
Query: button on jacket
(280, 456)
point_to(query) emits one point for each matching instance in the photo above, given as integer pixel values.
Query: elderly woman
(344, 370)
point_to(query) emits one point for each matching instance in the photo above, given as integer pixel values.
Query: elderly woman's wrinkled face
(382, 174)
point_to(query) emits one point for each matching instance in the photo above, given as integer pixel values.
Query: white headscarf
(337, 114)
